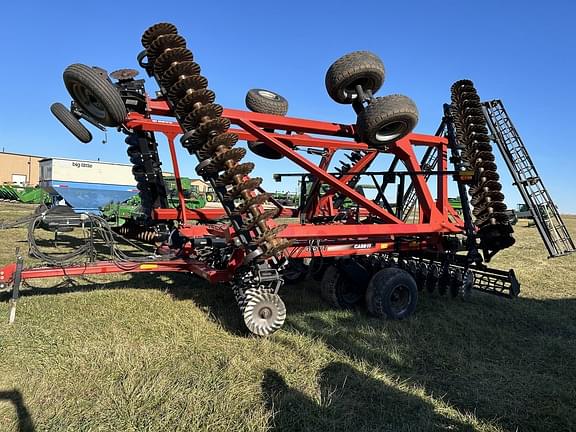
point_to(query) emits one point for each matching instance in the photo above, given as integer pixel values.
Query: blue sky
(517, 51)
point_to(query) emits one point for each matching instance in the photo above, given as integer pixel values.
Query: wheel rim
(268, 95)
(400, 299)
(87, 100)
(350, 90)
(391, 131)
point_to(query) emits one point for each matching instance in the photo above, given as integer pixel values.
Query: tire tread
(70, 122)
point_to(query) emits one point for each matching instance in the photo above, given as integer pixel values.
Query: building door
(19, 179)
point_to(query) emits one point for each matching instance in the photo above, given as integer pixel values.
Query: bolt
(265, 313)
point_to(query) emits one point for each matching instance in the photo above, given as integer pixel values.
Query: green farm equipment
(456, 204)
(23, 194)
(130, 209)
(286, 199)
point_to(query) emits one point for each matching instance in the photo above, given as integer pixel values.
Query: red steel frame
(436, 218)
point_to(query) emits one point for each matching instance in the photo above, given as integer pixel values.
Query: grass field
(165, 353)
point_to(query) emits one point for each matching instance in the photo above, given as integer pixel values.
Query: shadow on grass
(509, 362)
(25, 423)
(217, 301)
(342, 405)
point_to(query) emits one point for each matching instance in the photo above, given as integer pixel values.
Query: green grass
(166, 353)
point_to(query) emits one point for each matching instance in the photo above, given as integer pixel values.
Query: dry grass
(159, 353)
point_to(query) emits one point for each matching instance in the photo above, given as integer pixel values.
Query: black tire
(261, 149)
(392, 294)
(266, 102)
(70, 122)
(338, 290)
(96, 96)
(386, 120)
(296, 271)
(318, 266)
(356, 68)
(209, 197)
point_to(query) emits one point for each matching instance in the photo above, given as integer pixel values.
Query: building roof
(20, 154)
(97, 162)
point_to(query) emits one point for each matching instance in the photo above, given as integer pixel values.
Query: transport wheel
(261, 149)
(386, 120)
(296, 271)
(209, 197)
(70, 122)
(318, 266)
(392, 294)
(265, 102)
(356, 68)
(95, 95)
(338, 290)
(264, 313)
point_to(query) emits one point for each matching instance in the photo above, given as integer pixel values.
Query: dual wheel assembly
(389, 293)
(103, 103)
(352, 79)
(95, 98)
(388, 289)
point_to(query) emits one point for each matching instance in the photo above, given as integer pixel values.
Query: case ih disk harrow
(362, 249)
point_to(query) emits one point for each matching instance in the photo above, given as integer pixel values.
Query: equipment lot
(157, 353)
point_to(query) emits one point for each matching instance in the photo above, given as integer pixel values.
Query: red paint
(343, 238)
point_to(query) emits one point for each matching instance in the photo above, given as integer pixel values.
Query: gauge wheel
(386, 120)
(95, 95)
(356, 68)
(266, 102)
(70, 122)
(295, 271)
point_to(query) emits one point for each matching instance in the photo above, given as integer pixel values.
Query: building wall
(12, 165)
(202, 185)
(74, 170)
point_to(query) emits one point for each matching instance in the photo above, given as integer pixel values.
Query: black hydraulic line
(303, 198)
(400, 197)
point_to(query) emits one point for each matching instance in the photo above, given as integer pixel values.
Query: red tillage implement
(378, 250)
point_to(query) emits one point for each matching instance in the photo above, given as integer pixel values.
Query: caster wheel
(265, 102)
(96, 96)
(70, 122)
(356, 68)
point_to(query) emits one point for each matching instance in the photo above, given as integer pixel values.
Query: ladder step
(550, 225)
